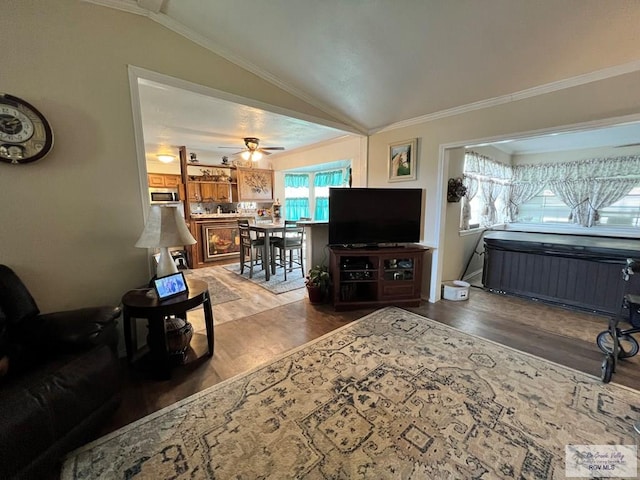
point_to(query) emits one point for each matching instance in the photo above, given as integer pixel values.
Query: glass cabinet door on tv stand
(376, 276)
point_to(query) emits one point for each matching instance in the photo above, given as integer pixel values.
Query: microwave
(163, 195)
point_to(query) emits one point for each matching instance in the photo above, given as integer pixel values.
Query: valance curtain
(296, 180)
(328, 179)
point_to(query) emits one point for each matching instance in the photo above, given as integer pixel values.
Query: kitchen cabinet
(198, 191)
(193, 192)
(161, 180)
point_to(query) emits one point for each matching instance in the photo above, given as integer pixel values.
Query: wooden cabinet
(209, 192)
(161, 180)
(193, 192)
(365, 277)
(171, 180)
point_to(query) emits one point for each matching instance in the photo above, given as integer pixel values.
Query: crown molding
(590, 77)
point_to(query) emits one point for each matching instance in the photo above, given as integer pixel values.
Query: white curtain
(520, 193)
(489, 191)
(575, 195)
(585, 186)
(472, 189)
(607, 192)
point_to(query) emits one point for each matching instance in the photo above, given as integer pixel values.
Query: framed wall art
(255, 184)
(403, 160)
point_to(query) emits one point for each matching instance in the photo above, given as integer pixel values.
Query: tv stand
(372, 276)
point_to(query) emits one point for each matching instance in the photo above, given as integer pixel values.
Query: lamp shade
(165, 227)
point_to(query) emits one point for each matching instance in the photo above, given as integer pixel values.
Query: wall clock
(25, 135)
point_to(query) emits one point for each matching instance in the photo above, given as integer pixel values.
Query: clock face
(25, 135)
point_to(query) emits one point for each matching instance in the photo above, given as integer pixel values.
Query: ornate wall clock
(25, 135)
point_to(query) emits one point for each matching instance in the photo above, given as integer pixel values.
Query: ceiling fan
(253, 150)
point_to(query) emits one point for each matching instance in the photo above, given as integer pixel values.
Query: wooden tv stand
(366, 277)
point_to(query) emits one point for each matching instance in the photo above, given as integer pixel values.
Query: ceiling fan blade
(271, 148)
(628, 145)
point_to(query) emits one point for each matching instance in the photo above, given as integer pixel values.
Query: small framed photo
(403, 160)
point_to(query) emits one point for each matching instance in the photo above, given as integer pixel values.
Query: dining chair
(292, 241)
(253, 248)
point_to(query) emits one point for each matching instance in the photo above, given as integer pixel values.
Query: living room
(71, 239)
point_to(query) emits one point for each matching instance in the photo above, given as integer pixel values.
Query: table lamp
(165, 228)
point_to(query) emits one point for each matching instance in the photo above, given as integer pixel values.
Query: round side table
(141, 304)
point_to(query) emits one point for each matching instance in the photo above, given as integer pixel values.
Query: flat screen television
(374, 216)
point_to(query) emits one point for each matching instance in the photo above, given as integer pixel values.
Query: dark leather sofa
(62, 380)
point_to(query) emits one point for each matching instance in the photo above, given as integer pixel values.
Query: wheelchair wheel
(607, 369)
(628, 346)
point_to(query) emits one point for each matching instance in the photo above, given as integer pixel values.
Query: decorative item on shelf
(276, 210)
(165, 228)
(193, 158)
(225, 160)
(317, 282)
(455, 190)
(207, 175)
(222, 176)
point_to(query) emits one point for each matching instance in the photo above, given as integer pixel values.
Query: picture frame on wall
(402, 160)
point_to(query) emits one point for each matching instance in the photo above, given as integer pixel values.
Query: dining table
(268, 230)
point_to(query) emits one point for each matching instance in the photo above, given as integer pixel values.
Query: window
(296, 196)
(545, 207)
(625, 212)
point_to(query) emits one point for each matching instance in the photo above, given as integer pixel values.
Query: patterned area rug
(219, 292)
(276, 283)
(392, 395)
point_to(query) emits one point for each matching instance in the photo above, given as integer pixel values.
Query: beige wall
(70, 220)
(614, 97)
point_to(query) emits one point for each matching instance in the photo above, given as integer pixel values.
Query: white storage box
(455, 290)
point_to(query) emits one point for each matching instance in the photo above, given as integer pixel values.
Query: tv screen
(373, 216)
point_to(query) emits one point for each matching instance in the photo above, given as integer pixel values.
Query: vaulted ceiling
(375, 63)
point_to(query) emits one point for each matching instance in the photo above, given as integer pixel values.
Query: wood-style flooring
(275, 324)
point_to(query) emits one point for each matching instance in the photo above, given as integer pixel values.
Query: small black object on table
(140, 304)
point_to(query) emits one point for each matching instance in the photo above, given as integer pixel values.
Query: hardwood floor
(559, 335)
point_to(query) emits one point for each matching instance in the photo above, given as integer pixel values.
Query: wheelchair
(615, 342)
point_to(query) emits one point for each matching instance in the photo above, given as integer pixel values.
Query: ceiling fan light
(246, 155)
(255, 156)
(251, 143)
(166, 158)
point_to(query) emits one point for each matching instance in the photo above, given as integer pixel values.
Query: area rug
(276, 284)
(218, 291)
(392, 395)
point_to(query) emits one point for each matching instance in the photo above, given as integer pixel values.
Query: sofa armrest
(80, 328)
